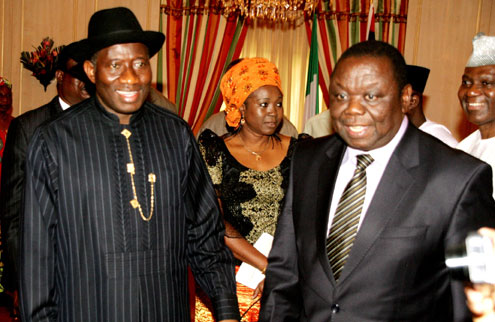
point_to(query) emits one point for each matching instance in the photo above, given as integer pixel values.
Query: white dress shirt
(63, 104)
(483, 149)
(440, 132)
(374, 172)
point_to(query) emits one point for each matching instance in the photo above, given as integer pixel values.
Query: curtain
(343, 23)
(200, 42)
(285, 45)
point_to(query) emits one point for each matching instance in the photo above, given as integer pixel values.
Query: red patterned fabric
(200, 43)
(249, 308)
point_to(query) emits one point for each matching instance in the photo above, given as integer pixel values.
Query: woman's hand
(242, 249)
(259, 289)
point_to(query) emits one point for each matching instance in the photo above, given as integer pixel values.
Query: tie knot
(363, 161)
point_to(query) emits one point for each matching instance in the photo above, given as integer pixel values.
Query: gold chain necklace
(151, 179)
(257, 155)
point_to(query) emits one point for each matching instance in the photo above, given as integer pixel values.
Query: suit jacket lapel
(393, 187)
(326, 183)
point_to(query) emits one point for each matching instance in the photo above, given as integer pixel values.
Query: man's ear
(415, 99)
(59, 75)
(89, 69)
(406, 97)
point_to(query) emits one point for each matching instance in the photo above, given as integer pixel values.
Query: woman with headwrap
(249, 166)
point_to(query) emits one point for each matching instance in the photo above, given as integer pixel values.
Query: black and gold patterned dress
(251, 200)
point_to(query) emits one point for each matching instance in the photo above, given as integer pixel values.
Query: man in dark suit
(373, 249)
(71, 89)
(118, 201)
(417, 76)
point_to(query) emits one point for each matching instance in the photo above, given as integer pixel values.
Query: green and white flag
(311, 104)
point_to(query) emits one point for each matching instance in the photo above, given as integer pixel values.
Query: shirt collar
(113, 118)
(381, 154)
(63, 104)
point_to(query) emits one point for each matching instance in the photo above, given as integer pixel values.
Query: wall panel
(24, 23)
(42, 19)
(82, 13)
(439, 35)
(487, 13)
(11, 46)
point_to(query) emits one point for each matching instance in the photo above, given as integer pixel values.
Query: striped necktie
(346, 219)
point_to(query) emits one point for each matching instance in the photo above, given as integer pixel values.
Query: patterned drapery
(200, 43)
(342, 23)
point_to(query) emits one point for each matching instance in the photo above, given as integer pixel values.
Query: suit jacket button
(335, 308)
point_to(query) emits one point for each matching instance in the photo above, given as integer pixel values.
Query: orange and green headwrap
(243, 79)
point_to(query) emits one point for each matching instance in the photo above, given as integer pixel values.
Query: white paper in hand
(249, 275)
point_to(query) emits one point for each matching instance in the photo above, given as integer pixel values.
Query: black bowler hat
(417, 77)
(119, 25)
(75, 52)
(72, 50)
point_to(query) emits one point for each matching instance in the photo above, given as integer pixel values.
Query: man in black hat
(417, 77)
(72, 88)
(118, 201)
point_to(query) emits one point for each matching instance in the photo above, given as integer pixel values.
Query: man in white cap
(477, 98)
(118, 202)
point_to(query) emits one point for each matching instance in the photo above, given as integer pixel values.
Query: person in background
(477, 97)
(370, 210)
(319, 125)
(118, 201)
(417, 76)
(249, 166)
(5, 119)
(72, 88)
(5, 113)
(157, 98)
(217, 122)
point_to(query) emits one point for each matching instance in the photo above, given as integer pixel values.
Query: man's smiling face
(122, 78)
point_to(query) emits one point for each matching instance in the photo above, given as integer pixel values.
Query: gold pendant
(130, 168)
(258, 157)
(151, 177)
(126, 133)
(134, 203)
